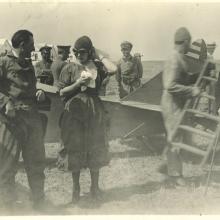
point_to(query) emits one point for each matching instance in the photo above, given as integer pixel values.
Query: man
(130, 71)
(177, 89)
(20, 122)
(43, 68)
(60, 62)
(213, 88)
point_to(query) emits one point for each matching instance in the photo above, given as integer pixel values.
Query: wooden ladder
(189, 113)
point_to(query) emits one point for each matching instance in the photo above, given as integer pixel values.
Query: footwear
(180, 181)
(44, 207)
(76, 187)
(163, 168)
(76, 196)
(96, 194)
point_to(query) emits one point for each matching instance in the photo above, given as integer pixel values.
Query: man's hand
(195, 91)
(40, 96)
(106, 81)
(213, 73)
(10, 109)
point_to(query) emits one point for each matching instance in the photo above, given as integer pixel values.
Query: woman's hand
(40, 96)
(83, 80)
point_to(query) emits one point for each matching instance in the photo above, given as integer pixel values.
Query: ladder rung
(189, 148)
(208, 96)
(208, 116)
(210, 78)
(197, 131)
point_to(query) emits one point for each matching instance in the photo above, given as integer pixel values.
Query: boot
(95, 191)
(179, 181)
(76, 187)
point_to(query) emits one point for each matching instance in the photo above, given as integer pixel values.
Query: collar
(47, 61)
(127, 58)
(12, 53)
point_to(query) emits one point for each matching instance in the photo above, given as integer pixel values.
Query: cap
(211, 45)
(63, 47)
(126, 44)
(45, 48)
(182, 34)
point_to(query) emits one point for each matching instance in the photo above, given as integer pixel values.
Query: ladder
(190, 112)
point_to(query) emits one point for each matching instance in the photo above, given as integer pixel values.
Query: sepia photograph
(109, 108)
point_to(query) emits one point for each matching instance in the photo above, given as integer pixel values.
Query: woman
(83, 121)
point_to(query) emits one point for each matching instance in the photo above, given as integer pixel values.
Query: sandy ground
(131, 184)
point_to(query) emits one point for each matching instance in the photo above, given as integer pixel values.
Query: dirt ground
(131, 184)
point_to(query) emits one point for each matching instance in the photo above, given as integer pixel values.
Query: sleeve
(38, 70)
(67, 76)
(118, 73)
(4, 98)
(175, 80)
(140, 68)
(56, 70)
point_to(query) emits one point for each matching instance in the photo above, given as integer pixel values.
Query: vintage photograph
(109, 108)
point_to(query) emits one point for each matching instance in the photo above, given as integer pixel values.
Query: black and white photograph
(109, 108)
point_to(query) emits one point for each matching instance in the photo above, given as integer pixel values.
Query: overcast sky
(149, 26)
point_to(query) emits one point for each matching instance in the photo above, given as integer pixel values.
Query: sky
(149, 26)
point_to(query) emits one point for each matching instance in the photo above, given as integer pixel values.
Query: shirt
(44, 72)
(17, 81)
(56, 68)
(130, 67)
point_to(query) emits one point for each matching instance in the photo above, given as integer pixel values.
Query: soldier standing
(43, 68)
(130, 71)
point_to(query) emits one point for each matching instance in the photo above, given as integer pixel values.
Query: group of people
(129, 68)
(83, 123)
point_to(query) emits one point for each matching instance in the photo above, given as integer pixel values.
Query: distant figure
(60, 61)
(212, 86)
(177, 88)
(213, 89)
(130, 71)
(43, 68)
(138, 56)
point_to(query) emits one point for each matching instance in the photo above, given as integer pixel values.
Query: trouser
(128, 87)
(33, 153)
(174, 162)
(210, 89)
(44, 119)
